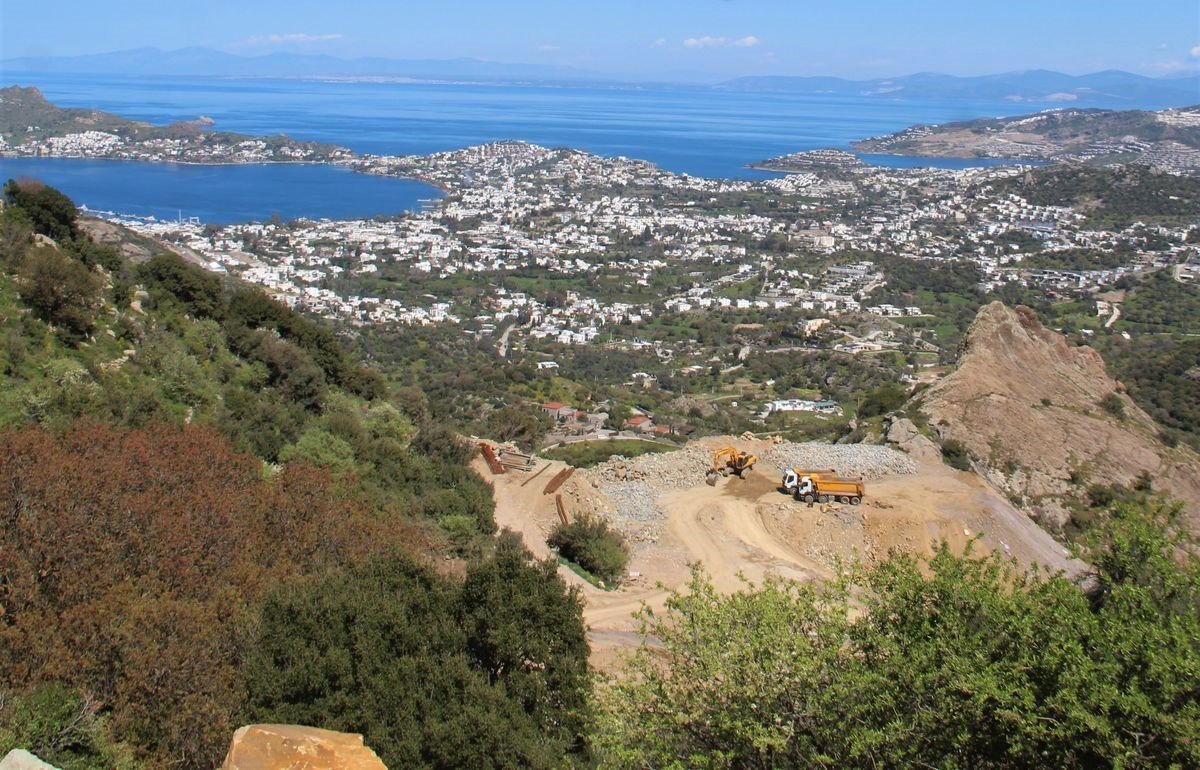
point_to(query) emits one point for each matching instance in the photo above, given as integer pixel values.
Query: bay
(699, 131)
(223, 194)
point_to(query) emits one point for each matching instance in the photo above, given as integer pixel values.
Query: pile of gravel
(871, 461)
(679, 469)
(685, 468)
(635, 501)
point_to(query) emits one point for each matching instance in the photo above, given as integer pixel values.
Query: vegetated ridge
(1046, 421)
(212, 514)
(1062, 134)
(26, 115)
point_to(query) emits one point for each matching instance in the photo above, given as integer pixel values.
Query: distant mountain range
(1111, 88)
(210, 63)
(1031, 86)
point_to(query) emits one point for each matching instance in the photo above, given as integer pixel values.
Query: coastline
(347, 164)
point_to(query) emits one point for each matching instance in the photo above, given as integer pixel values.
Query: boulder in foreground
(292, 747)
(20, 759)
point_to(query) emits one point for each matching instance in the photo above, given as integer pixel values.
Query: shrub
(1112, 404)
(198, 290)
(130, 560)
(886, 398)
(321, 448)
(51, 213)
(938, 662)
(60, 726)
(593, 545)
(490, 673)
(955, 454)
(60, 291)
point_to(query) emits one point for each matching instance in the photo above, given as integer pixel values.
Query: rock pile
(680, 469)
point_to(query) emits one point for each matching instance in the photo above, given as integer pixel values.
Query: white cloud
(659, 42)
(1173, 66)
(548, 47)
(292, 37)
(708, 41)
(1195, 51)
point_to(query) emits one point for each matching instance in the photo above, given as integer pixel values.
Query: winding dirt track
(748, 530)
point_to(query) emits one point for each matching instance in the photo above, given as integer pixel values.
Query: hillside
(27, 119)
(1049, 424)
(215, 515)
(1091, 135)
(196, 481)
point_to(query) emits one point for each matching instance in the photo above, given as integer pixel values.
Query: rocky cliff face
(1029, 406)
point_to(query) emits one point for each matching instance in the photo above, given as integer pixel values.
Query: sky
(647, 38)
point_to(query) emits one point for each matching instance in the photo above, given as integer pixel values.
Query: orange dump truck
(810, 486)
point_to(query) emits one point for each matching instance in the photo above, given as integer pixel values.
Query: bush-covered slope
(179, 455)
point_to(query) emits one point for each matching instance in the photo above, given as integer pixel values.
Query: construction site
(675, 509)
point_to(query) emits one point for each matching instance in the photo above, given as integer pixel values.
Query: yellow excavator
(729, 460)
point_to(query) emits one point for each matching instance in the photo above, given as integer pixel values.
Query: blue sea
(698, 131)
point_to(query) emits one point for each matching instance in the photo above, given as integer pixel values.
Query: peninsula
(32, 126)
(1169, 139)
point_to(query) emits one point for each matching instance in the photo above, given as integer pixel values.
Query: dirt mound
(1047, 420)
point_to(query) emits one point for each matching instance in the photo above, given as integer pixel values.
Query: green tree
(433, 678)
(321, 448)
(593, 545)
(198, 290)
(51, 213)
(525, 629)
(523, 427)
(949, 662)
(60, 291)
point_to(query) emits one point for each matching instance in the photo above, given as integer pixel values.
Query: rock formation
(291, 747)
(1028, 404)
(20, 759)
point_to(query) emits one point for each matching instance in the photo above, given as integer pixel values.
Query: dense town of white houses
(512, 206)
(516, 207)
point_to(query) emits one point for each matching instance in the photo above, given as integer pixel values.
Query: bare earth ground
(749, 529)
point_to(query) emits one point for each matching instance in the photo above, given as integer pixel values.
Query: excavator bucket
(711, 477)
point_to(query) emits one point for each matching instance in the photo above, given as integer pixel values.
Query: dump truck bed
(838, 485)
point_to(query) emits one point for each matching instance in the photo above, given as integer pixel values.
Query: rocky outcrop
(904, 433)
(20, 759)
(292, 747)
(1028, 404)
